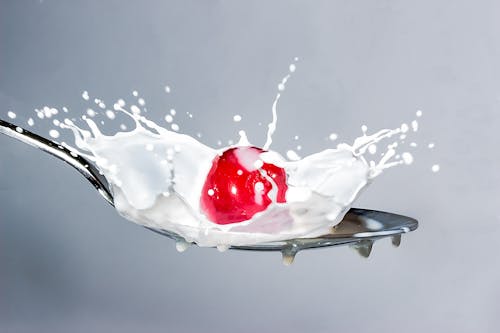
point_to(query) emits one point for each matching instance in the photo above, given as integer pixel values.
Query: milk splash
(156, 175)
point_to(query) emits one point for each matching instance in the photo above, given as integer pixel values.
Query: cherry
(238, 184)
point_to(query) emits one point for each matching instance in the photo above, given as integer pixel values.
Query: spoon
(359, 228)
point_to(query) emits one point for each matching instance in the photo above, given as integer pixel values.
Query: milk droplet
(85, 95)
(135, 109)
(11, 115)
(54, 133)
(110, 114)
(292, 156)
(364, 129)
(414, 125)
(169, 118)
(292, 68)
(135, 93)
(372, 149)
(237, 118)
(413, 144)
(167, 89)
(435, 168)
(404, 128)
(141, 101)
(296, 137)
(65, 109)
(91, 113)
(431, 145)
(333, 136)
(173, 112)
(407, 158)
(19, 129)
(419, 113)
(175, 127)
(123, 127)
(31, 122)
(56, 122)
(210, 192)
(281, 87)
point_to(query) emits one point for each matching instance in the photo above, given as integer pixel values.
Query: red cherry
(236, 188)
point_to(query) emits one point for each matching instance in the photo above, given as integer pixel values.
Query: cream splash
(156, 175)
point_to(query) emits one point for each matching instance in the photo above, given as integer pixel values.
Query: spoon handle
(84, 167)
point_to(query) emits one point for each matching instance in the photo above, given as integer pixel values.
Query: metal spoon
(359, 228)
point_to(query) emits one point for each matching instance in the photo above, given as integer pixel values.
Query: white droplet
(296, 137)
(19, 129)
(173, 112)
(175, 127)
(141, 101)
(404, 128)
(414, 125)
(110, 114)
(31, 122)
(419, 113)
(435, 168)
(364, 129)
(11, 115)
(413, 144)
(258, 164)
(135, 93)
(237, 118)
(167, 89)
(281, 87)
(54, 133)
(292, 68)
(91, 113)
(65, 109)
(292, 156)
(239, 172)
(85, 95)
(372, 149)
(123, 127)
(135, 109)
(169, 118)
(56, 122)
(210, 192)
(431, 145)
(333, 136)
(407, 158)
(234, 190)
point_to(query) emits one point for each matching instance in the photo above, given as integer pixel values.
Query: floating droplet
(11, 115)
(54, 133)
(435, 168)
(237, 118)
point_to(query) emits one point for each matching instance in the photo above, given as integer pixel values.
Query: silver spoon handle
(84, 167)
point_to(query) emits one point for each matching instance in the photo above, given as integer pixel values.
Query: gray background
(69, 263)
